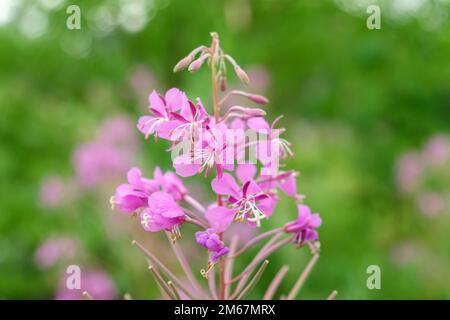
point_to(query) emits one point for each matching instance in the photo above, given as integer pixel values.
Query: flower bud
(223, 83)
(254, 112)
(259, 99)
(183, 63)
(197, 64)
(242, 75)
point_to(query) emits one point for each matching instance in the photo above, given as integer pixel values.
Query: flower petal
(157, 102)
(220, 218)
(225, 185)
(246, 172)
(175, 99)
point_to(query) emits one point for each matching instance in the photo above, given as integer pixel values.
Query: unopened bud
(183, 63)
(254, 112)
(242, 75)
(223, 83)
(194, 66)
(258, 99)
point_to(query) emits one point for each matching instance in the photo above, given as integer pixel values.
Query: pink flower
(51, 192)
(96, 282)
(249, 203)
(162, 108)
(219, 217)
(134, 195)
(162, 213)
(305, 225)
(211, 241)
(409, 170)
(94, 161)
(53, 250)
(204, 154)
(191, 119)
(170, 183)
(437, 150)
(431, 204)
(118, 131)
(108, 155)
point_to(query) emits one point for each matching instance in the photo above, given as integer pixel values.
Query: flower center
(248, 210)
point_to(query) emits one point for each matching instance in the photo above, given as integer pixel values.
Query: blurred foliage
(354, 100)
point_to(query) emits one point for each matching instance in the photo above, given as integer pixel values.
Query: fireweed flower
(246, 190)
(304, 228)
(162, 213)
(187, 123)
(211, 241)
(134, 195)
(170, 183)
(161, 108)
(249, 203)
(210, 151)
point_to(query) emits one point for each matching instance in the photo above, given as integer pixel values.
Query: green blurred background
(355, 101)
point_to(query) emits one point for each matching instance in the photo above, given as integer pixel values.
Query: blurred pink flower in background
(260, 77)
(431, 204)
(423, 174)
(437, 150)
(408, 171)
(55, 249)
(51, 192)
(108, 155)
(118, 131)
(404, 253)
(141, 81)
(96, 282)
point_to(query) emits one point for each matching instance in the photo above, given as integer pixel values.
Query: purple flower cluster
(238, 147)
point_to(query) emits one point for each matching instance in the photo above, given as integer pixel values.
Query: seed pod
(242, 75)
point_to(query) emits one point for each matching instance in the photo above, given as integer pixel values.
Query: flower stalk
(245, 192)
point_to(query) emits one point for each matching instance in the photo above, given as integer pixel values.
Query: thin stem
(233, 92)
(214, 51)
(212, 284)
(221, 274)
(226, 96)
(161, 283)
(155, 273)
(173, 290)
(254, 241)
(265, 252)
(332, 295)
(304, 275)
(258, 258)
(254, 281)
(185, 265)
(194, 203)
(275, 283)
(194, 221)
(222, 279)
(155, 260)
(229, 263)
